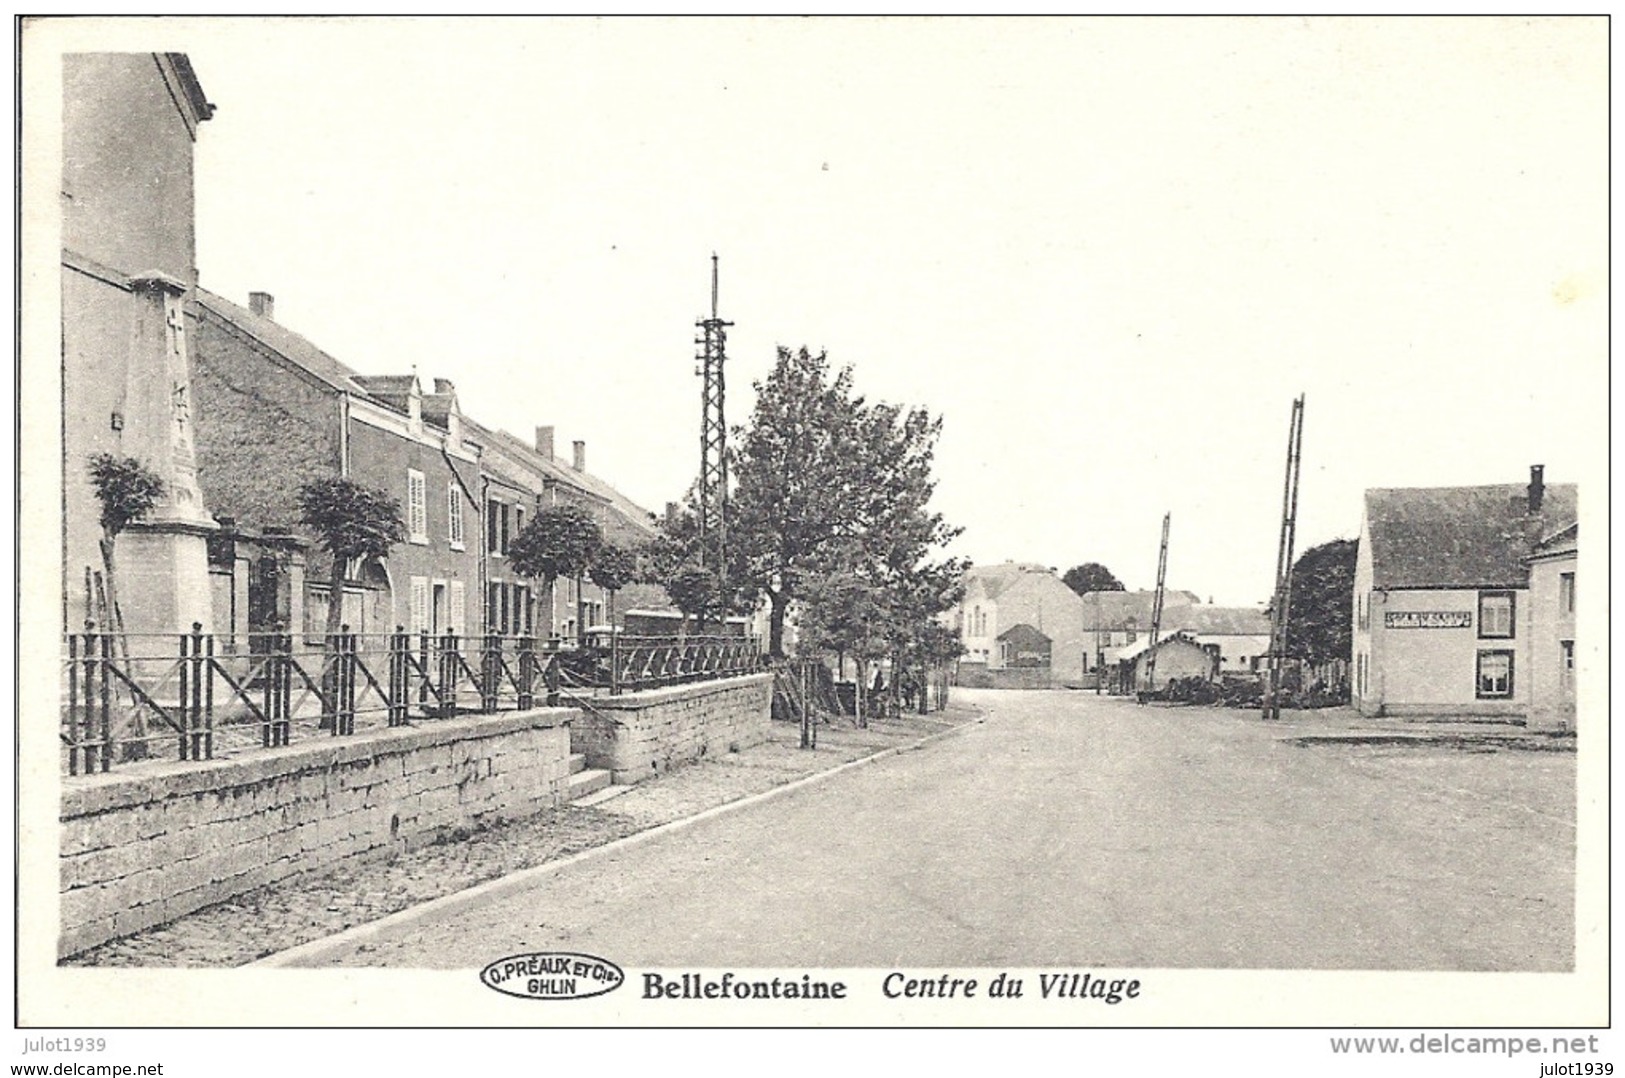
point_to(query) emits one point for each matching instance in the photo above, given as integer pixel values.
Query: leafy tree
(560, 541)
(847, 614)
(1322, 602)
(828, 484)
(127, 490)
(1091, 576)
(351, 522)
(695, 590)
(613, 568)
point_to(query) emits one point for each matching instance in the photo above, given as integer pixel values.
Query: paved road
(1070, 830)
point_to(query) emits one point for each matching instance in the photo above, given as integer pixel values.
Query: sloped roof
(1468, 537)
(1115, 609)
(996, 579)
(624, 507)
(1024, 633)
(1143, 644)
(1221, 620)
(284, 342)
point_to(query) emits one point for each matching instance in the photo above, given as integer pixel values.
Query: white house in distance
(998, 599)
(1443, 623)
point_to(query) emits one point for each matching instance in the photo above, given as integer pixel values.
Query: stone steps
(585, 782)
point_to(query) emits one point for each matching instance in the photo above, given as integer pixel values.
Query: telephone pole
(1281, 607)
(713, 492)
(1156, 608)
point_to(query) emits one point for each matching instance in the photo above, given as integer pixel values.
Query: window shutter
(456, 612)
(417, 510)
(454, 514)
(420, 604)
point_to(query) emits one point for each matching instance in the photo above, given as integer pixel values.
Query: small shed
(1178, 656)
(1024, 646)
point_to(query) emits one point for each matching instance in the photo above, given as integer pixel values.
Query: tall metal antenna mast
(713, 492)
(1156, 608)
(1281, 607)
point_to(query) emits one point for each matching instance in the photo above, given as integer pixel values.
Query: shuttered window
(454, 515)
(420, 605)
(417, 507)
(456, 612)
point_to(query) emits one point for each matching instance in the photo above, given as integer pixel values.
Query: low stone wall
(154, 842)
(642, 734)
(977, 676)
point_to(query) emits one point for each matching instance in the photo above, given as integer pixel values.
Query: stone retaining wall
(642, 734)
(150, 843)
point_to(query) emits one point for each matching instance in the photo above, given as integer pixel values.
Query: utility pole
(1281, 607)
(712, 343)
(1156, 608)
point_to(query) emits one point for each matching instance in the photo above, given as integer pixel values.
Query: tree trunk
(780, 603)
(862, 686)
(547, 607)
(136, 748)
(335, 598)
(581, 614)
(335, 621)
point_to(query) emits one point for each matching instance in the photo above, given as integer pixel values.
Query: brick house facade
(275, 411)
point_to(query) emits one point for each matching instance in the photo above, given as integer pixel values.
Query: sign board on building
(1428, 619)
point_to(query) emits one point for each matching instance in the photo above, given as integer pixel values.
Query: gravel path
(297, 911)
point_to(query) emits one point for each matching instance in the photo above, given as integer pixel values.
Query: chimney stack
(443, 387)
(671, 511)
(262, 304)
(1537, 486)
(580, 456)
(544, 442)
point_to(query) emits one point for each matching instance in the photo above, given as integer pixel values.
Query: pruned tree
(560, 541)
(613, 568)
(352, 523)
(127, 490)
(695, 590)
(1091, 576)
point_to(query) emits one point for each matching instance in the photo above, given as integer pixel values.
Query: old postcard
(816, 522)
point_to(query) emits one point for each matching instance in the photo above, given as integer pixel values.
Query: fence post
(398, 645)
(490, 672)
(448, 675)
(105, 689)
(344, 679)
(614, 655)
(550, 674)
(527, 672)
(208, 698)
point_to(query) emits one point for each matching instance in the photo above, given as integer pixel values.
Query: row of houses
(1462, 607)
(235, 411)
(1021, 625)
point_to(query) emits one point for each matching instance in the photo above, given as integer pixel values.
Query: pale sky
(1108, 252)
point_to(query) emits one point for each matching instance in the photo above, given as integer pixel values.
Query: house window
(1565, 593)
(1568, 656)
(1132, 636)
(1004, 651)
(498, 527)
(417, 508)
(1364, 613)
(1494, 674)
(1495, 614)
(419, 613)
(456, 608)
(454, 516)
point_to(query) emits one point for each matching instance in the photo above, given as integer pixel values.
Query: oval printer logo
(552, 975)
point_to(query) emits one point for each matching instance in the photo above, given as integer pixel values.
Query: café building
(1442, 618)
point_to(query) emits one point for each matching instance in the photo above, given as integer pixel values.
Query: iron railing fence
(193, 696)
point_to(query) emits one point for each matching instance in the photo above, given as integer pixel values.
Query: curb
(313, 951)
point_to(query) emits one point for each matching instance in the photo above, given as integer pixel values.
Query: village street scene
(494, 525)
